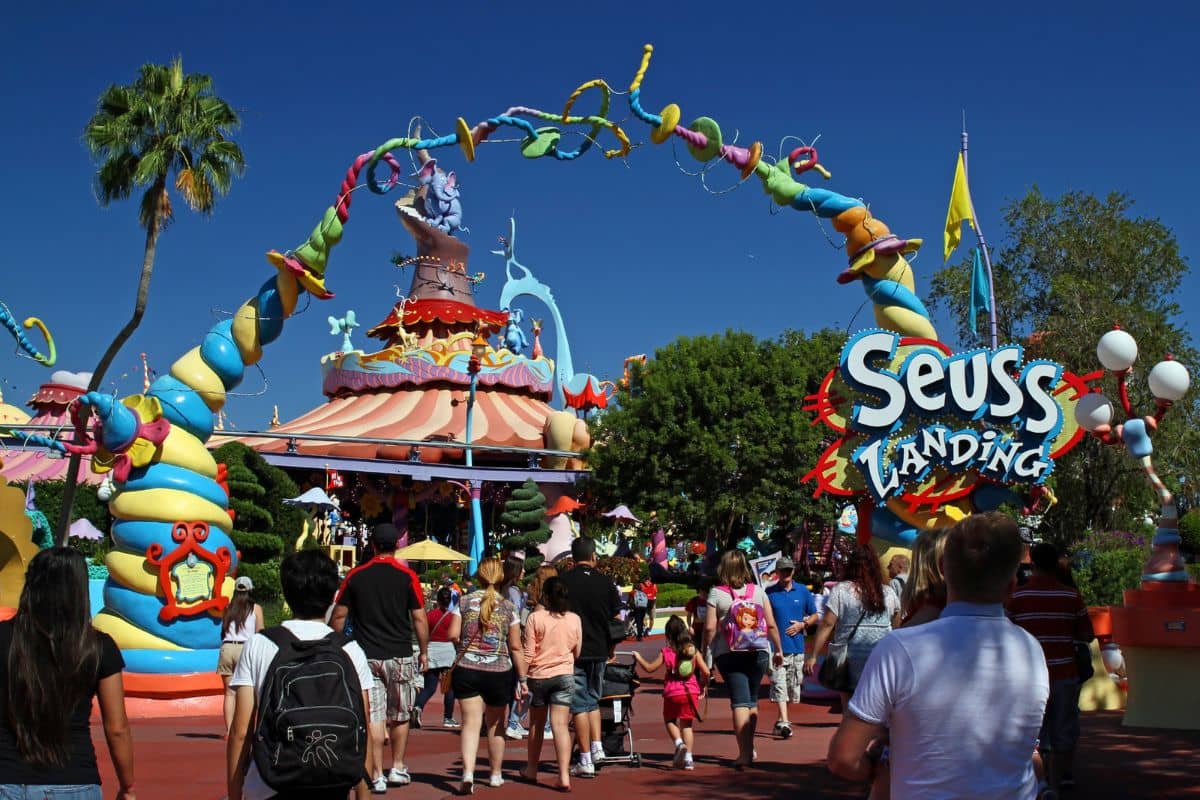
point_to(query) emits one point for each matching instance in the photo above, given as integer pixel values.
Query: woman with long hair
(924, 594)
(53, 662)
(242, 619)
(445, 626)
(553, 640)
(860, 611)
(488, 651)
(742, 661)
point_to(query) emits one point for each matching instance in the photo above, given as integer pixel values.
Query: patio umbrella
(84, 529)
(621, 514)
(429, 550)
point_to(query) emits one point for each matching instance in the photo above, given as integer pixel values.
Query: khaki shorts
(393, 693)
(227, 659)
(787, 681)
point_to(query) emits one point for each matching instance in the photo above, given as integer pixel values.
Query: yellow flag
(959, 211)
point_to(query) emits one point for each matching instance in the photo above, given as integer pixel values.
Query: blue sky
(1088, 96)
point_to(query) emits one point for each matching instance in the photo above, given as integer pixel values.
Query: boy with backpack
(300, 716)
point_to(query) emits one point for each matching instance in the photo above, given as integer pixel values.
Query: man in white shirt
(959, 700)
(309, 579)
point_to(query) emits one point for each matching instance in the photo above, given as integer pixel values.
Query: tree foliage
(712, 432)
(264, 526)
(524, 517)
(1067, 270)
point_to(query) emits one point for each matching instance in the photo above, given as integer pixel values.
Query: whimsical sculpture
(442, 207)
(576, 390)
(344, 326)
(7, 320)
(514, 337)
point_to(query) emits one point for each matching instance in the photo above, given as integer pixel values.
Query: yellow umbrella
(429, 550)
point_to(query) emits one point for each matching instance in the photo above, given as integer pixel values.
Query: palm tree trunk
(139, 308)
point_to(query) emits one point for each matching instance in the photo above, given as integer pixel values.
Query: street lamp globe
(1093, 410)
(1117, 350)
(1169, 380)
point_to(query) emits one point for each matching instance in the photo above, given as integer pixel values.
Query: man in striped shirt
(1056, 616)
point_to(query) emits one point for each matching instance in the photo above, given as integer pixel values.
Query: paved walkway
(183, 758)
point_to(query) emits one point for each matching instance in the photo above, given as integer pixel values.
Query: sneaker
(496, 781)
(688, 764)
(451, 722)
(515, 732)
(598, 754)
(681, 756)
(414, 719)
(784, 729)
(548, 734)
(398, 776)
(467, 785)
(379, 785)
(583, 771)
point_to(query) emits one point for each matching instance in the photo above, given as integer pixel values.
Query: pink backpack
(746, 622)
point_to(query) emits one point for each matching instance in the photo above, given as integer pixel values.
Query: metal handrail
(324, 437)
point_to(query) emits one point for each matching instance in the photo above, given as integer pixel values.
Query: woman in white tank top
(243, 618)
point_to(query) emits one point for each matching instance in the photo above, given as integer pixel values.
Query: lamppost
(478, 351)
(1168, 381)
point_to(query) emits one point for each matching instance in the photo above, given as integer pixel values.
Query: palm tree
(165, 123)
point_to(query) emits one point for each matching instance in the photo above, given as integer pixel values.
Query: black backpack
(311, 731)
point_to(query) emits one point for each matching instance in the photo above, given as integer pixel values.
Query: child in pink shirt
(682, 687)
(553, 639)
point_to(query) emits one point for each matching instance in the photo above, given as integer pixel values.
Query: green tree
(165, 123)
(1067, 270)
(712, 431)
(524, 517)
(263, 526)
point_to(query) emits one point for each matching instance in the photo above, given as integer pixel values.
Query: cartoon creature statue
(344, 326)
(514, 337)
(443, 209)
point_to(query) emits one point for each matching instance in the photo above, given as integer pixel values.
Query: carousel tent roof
(501, 419)
(22, 462)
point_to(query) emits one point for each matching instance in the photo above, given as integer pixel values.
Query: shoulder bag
(835, 669)
(445, 681)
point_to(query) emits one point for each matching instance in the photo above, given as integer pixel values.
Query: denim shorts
(589, 682)
(556, 691)
(743, 673)
(13, 791)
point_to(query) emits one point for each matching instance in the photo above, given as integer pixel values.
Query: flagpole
(987, 259)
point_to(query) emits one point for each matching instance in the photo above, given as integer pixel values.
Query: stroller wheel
(635, 760)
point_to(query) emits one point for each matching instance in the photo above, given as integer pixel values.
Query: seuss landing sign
(933, 435)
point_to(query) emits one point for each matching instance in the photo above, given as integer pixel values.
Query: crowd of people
(323, 705)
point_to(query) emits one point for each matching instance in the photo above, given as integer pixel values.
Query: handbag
(834, 674)
(447, 678)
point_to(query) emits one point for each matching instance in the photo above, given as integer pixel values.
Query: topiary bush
(265, 577)
(1105, 575)
(525, 517)
(258, 547)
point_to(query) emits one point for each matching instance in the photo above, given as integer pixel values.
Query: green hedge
(1104, 576)
(257, 548)
(1189, 532)
(671, 595)
(265, 577)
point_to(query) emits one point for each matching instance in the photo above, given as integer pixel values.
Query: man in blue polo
(794, 609)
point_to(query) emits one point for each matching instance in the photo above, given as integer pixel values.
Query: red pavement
(184, 758)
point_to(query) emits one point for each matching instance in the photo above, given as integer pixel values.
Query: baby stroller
(616, 710)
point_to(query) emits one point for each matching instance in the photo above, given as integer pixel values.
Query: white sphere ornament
(1093, 410)
(1169, 380)
(1117, 350)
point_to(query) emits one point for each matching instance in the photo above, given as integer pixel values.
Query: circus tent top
(23, 462)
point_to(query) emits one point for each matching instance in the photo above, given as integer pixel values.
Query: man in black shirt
(382, 600)
(593, 596)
